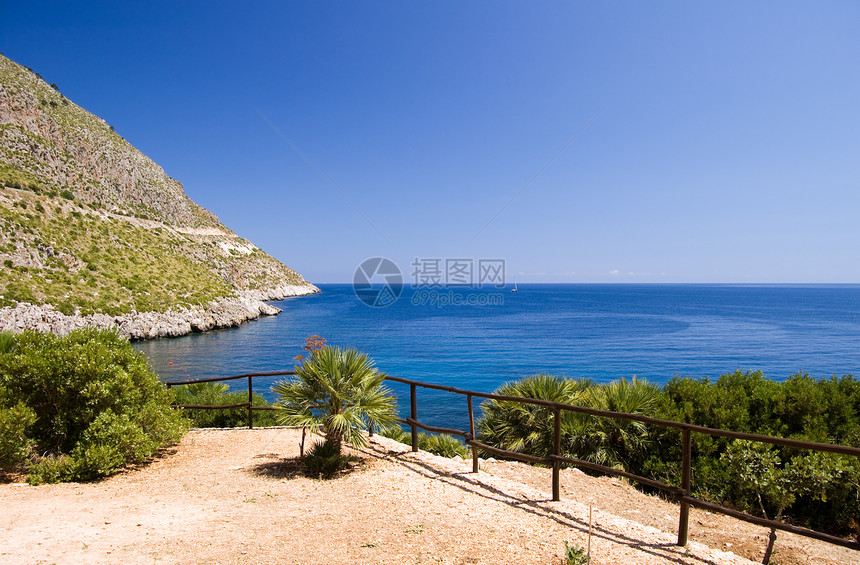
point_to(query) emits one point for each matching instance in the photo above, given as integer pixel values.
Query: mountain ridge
(93, 232)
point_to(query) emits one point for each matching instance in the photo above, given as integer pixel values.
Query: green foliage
(7, 342)
(325, 460)
(15, 443)
(94, 398)
(575, 555)
(397, 433)
(439, 444)
(50, 469)
(210, 394)
(442, 444)
(801, 407)
(820, 491)
(338, 391)
(108, 443)
(528, 428)
(760, 470)
(616, 443)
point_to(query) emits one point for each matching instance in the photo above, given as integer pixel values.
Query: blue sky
(722, 145)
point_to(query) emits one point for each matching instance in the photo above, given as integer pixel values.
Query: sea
(478, 339)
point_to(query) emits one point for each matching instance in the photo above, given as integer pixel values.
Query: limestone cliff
(93, 230)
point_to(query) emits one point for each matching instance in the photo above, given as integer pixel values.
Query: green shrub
(325, 460)
(7, 342)
(95, 399)
(210, 394)
(51, 469)
(108, 443)
(528, 428)
(801, 407)
(15, 444)
(442, 444)
(338, 391)
(575, 555)
(397, 433)
(66, 307)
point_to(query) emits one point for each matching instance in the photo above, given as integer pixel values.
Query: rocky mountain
(93, 232)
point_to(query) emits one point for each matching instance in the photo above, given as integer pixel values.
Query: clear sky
(715, 141)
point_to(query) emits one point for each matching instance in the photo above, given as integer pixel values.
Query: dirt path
(234, 496)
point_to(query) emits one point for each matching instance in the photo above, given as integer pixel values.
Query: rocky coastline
(224, 313)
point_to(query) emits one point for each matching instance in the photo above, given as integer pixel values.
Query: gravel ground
(237, 496)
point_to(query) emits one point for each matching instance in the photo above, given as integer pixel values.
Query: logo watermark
(436, 281)
(378, 282)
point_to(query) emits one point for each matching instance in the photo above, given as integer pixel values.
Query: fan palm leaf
(528, 428)
(338, 392)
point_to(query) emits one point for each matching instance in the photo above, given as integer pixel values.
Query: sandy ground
(237, 496)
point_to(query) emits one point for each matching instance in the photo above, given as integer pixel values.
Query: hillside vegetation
(91, 225)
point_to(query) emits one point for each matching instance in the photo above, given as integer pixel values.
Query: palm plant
(337, 391)
(528, 428)
(611, 442)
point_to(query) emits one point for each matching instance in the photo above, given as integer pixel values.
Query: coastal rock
(88, 221)
(225, 313)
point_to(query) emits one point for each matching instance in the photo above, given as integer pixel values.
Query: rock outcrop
(225, 313)
(93, 232)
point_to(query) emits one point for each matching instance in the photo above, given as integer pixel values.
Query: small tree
(759, 468)
(337, 391)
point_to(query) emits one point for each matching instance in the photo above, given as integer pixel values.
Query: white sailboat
(515, 287)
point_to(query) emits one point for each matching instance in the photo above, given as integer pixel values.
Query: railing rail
(248, 405)
(555, 459)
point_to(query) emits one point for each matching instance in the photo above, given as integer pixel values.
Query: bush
(15, 444)
(528, 428)
(442, 444)
(325, 460)
(801, 407)
(94, 399)
(51, 469)
(397, 433)
(338, 391)
(7, 342)
(210, 394)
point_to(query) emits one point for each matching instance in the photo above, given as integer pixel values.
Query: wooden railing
(249, 405)
(683, 493)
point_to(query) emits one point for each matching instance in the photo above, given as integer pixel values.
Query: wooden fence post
(413, 409)
(250, 403)
(556, 450)
(472, 433)
(686, 465)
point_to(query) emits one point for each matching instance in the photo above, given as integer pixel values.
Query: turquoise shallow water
(597, 331)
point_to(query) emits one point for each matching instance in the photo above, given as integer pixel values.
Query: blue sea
(480, 339)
